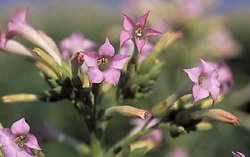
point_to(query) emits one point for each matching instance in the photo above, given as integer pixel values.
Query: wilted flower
(205, 78)
(17, 142)
(238, 154)
(155, 136)
(136, 31)
(222, 116)
(75, 43)
(18, 26)
(105, 65)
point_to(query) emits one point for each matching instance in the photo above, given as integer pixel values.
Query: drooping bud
(76, 62)
(222, 116)
(125, 110)
(16, 98)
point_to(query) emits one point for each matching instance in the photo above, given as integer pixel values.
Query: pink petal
(106, 49)
(20, 127)
(124, 37)
(142, 20)
(90, 58)
(193, 74)
(152, 32)
(214, 92)
(6, 137)
(140, 44)
(199, 93)
(118, 61)
(128, 23)
(206, 67)
(32, 142)
(112, 76)
(95, 75)
(10, 151)
(24, 153)
(238, 154)
(20, 15)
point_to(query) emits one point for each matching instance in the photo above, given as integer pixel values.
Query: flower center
(103, 63)
(201, 81)
(21, 140)
(138, 33)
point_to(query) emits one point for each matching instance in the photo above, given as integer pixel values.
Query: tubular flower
(12, 46)
(17, 142)
(205, 79)
(136, 31)
(238, 154)
(18, 26)
(105, 65)
(75, 43)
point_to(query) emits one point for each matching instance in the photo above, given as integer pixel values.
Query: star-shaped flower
(105, 65)
(17, 142)
(136, 31)
(205, 79)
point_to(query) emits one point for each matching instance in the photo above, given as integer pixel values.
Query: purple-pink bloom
(18, 26)
(105, 65)
(191, 8)
(225, 77)
(17, 142)
(155, 136)
(75, 43)
(205, 79)
(238, 154)
(136, 31)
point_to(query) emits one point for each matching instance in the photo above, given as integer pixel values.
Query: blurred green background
(59, 19)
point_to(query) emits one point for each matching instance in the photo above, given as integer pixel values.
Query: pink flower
(155, 136)
(18, 26)
(205, 79)
(136, 31)
(12, 46)
(105, 65)
(191, 8)
(225, 77)
(128, 49)
(238, 154)
(74, 43)
(17, 142)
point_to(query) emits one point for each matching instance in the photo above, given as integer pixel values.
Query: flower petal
(106, 49)
(90, 58)
(140, 44)
(152, 32)
(24, 153)
(20, 15)
(10, 151)
(32, 142)
(206, 67)
(95, 75)
(5, 137)
(214, 92)
(112, 76)
(193, 74)
(118, 61)
(124, 37)
(238, 154)
(142, 20)
(199, 93)
(128, 23)
(20, 127)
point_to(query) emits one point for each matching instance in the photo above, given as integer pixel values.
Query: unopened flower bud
(160, 109)
(148, 144)
(125, 110)
(76, 62)
(176, 130)
(222, 116)
(15, 98)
